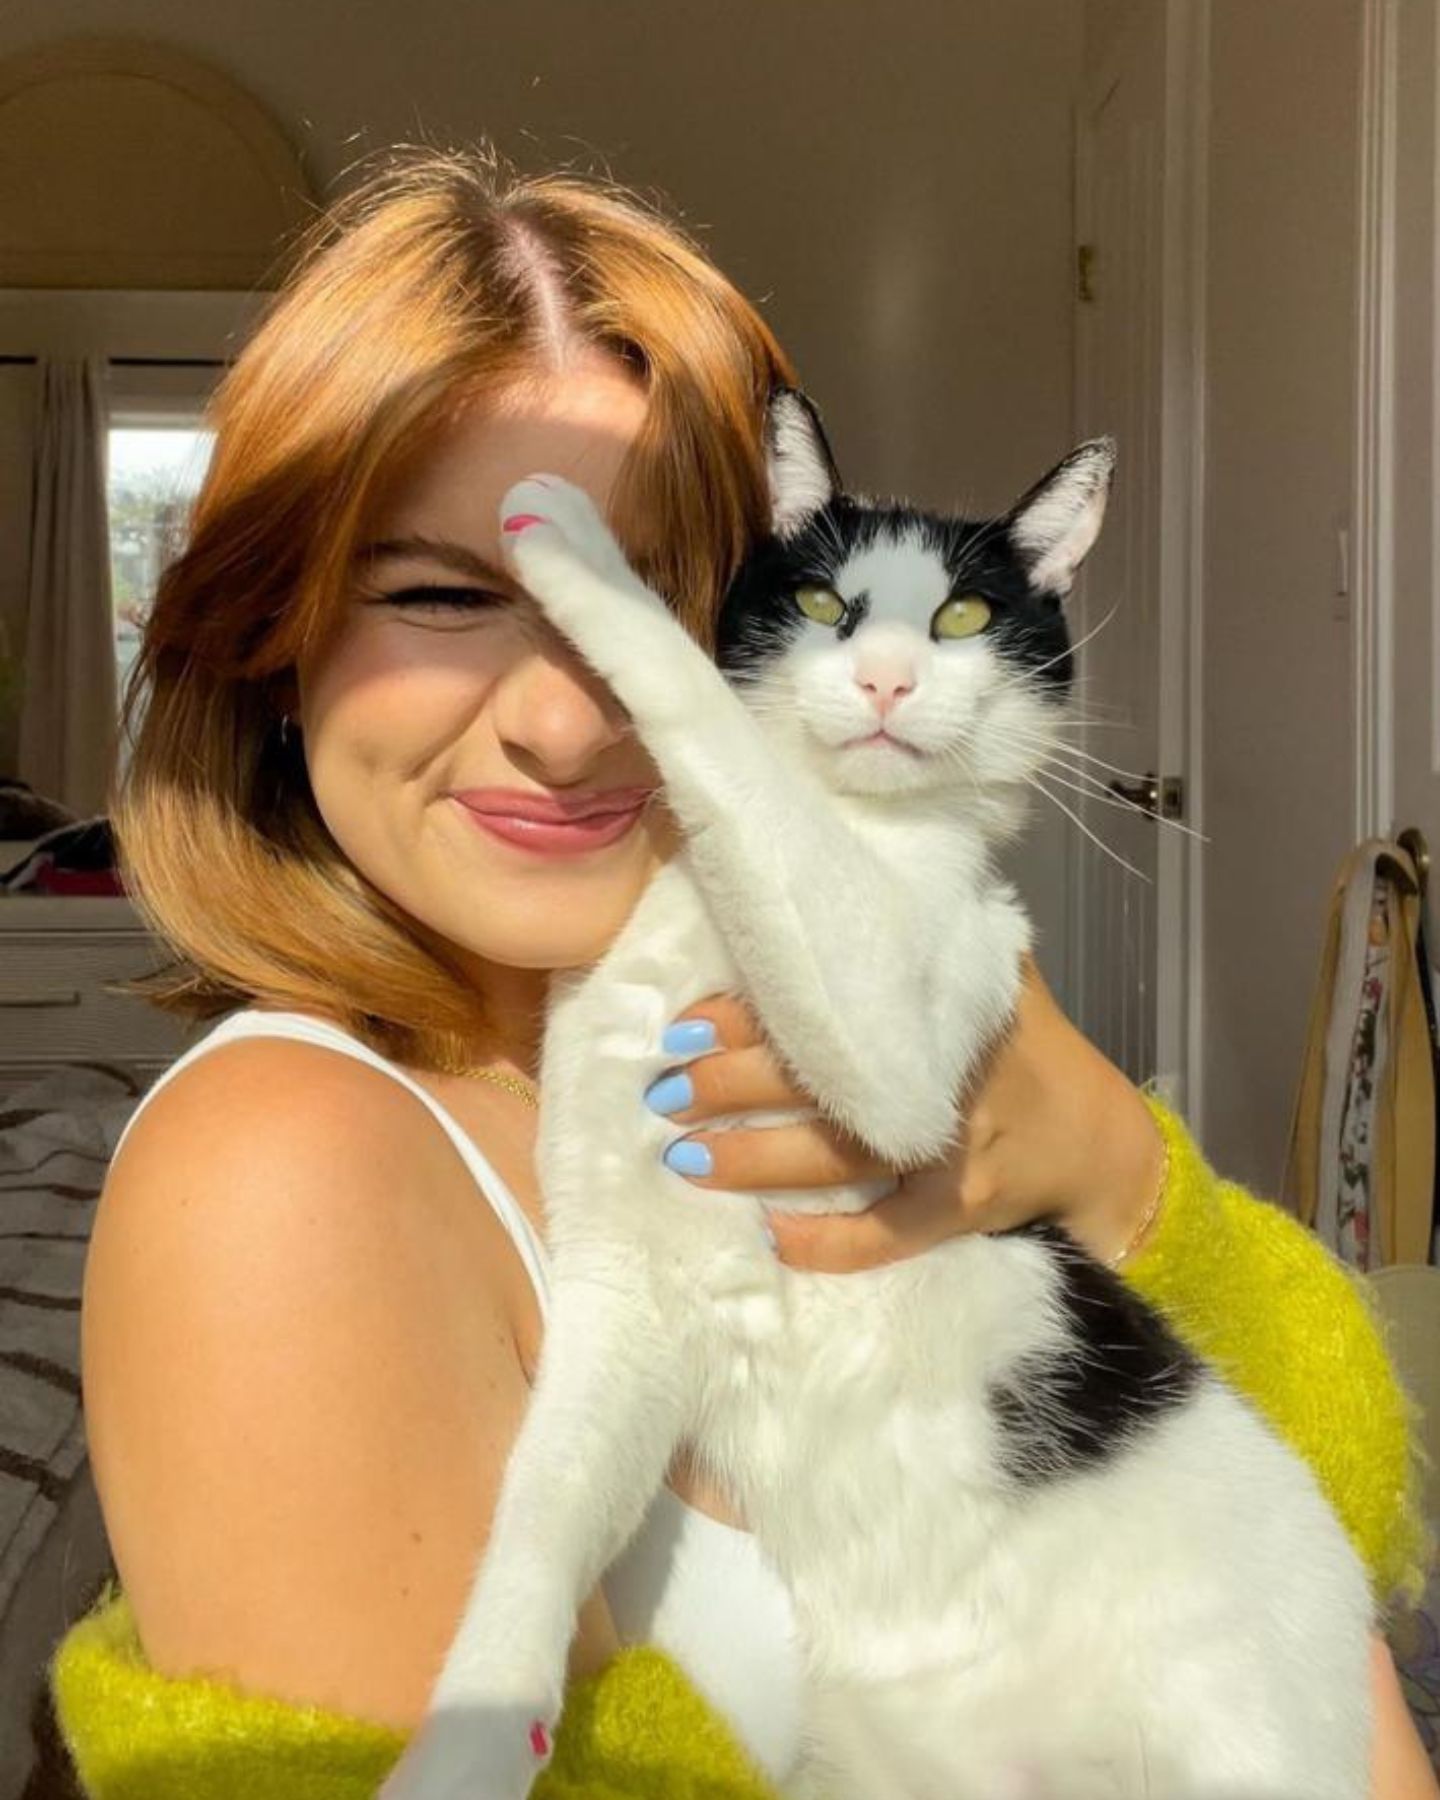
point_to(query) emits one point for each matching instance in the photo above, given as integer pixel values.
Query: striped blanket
(56, 1138)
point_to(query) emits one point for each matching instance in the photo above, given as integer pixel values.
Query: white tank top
(694, 1587)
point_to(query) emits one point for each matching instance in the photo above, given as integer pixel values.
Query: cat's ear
(797, 458)
(1054, 527)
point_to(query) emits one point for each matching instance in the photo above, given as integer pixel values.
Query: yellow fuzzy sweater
(1241, 1281)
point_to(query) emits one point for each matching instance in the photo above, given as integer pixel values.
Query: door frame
(1179, 938)
(1374, 501)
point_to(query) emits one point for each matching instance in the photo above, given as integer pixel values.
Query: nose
(555, 717)
(885, 685)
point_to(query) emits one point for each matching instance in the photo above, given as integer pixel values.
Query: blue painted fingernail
(671, 1094)
(686, 1157)
(688, 1038)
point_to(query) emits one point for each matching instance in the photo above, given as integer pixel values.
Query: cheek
(823, 675)
(1018, 731)
(387, 700)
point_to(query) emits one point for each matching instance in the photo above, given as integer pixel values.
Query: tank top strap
(306, 1029)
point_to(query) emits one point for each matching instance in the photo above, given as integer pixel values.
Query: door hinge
(1085, 274)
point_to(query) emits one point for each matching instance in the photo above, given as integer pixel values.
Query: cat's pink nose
(885, 689)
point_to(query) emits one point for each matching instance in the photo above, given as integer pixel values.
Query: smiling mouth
(551, 825)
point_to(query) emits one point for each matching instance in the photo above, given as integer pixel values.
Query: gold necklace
(1142, 1230)
(449, 1058)
(512, 1084)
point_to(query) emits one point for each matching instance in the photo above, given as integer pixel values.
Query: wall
(1105, 20)
(894, 185)
(1279, 726)
(1417, 453)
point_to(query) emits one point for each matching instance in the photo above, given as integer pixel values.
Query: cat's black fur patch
(759, 618)
(1124, 1372)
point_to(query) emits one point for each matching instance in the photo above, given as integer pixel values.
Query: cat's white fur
(1185, 1620)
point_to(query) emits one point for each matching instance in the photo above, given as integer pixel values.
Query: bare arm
(1401, 1770)
(301, 1380)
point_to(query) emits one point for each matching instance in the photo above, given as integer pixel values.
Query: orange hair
(440, 281)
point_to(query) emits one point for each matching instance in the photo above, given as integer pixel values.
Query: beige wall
(1104, 22)
(1417, 458)
(894, 183)
(1279, 732)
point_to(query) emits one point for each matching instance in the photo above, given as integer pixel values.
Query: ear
(1054, 527)
(801, 469)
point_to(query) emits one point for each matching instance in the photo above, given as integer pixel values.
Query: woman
(373, 802)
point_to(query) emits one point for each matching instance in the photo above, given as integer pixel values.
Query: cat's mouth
(876, 738)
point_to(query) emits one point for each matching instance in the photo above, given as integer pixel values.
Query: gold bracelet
(1142, 1230)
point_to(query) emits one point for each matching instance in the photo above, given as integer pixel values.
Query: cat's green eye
(823, 605)
(962, 617)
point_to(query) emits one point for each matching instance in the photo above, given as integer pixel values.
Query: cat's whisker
(1075, 719)
(1079, 823)
(1082, 690)
(1070, 650)
(1101, 793)
(1095, 788)
(1017, 734)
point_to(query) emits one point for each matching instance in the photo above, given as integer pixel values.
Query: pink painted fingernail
(522, 521)
(539, 1739)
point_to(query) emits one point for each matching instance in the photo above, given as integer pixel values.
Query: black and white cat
(1033, 1546)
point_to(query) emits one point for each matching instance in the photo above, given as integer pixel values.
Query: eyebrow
(459, 557)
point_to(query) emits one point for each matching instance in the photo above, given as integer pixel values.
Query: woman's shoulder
(267, 1152)
(297, 1319)
(258, 1097)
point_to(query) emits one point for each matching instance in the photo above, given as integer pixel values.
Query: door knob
(1143, 794)
(1148, 793)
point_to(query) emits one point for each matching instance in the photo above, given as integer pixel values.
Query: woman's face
(463, 758)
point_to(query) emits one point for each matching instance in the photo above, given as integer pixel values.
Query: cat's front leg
(598, 1436)
(569, 562)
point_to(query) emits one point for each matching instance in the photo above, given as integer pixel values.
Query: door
(1136, 379)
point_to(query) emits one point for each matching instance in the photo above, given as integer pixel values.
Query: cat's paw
(565, 558)
(473, 1752)
(553, 532)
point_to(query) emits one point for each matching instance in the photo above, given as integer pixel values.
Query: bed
(56, 1138)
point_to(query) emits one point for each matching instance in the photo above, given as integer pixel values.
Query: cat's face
(909, 652)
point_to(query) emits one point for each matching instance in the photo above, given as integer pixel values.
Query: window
(155, 471)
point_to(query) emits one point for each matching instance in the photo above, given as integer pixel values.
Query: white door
(1133, 381)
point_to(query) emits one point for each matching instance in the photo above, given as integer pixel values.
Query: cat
(1033, 1546)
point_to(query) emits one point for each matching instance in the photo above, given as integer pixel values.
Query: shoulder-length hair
(429, 288)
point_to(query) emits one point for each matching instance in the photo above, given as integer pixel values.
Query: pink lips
(551, 824)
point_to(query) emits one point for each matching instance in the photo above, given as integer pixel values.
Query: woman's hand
(1054, 1130)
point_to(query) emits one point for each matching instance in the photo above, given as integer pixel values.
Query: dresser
(60, 960)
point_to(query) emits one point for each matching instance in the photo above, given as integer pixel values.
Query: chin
(881, 769)
(562, 928)
(541, 946)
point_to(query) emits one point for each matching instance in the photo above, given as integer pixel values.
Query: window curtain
(68, 707)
